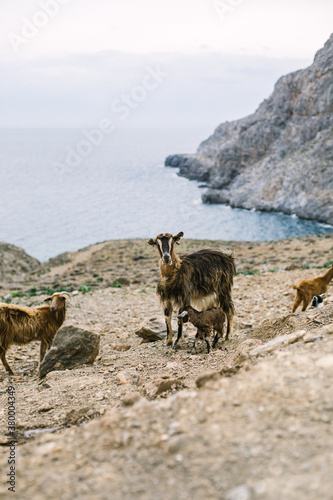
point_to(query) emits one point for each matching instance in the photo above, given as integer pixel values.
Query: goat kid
(203, 278)
(307, 289)
(206, 322)
(21, 325)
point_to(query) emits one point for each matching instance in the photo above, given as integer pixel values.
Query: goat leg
(297, 302)
(208, 345)
(216, 339)
(179, 334)
(168, 316)
(194, 347)
(43, 349)
(5, 362)
(229, 326)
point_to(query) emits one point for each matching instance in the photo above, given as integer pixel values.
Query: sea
(64, 189)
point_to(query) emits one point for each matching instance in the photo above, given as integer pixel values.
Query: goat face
(165, 243)
(183, 316)
(317, 300)
(58, 301)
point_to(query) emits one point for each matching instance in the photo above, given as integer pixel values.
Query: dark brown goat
(307, 289)
(206, 322)
(202, 278)
(20, 325)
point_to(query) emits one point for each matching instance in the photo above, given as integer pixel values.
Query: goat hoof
(169, 344)
(176, 347)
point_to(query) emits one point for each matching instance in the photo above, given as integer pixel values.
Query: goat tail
(295, 287)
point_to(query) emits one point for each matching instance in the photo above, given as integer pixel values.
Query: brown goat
(206, 322)
(20, 325)
(202, 278)
(307, 289)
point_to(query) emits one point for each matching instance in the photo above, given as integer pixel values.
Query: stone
(130, 398)
(166, 385)
(327, 329)
(241, 492)
(272, 345)
(125, 377)
(77, 416)
(71, 347)
(206, 377)
(154, 329)
(121, 347)
(243, 350)
(280, 157)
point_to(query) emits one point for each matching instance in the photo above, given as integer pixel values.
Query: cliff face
(281, 157)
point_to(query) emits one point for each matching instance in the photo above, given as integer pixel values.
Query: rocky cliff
(281, 157)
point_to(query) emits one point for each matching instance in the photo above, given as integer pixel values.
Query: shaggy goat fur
(202, 278)
(307, 289)
(20, 325)
(206, 322)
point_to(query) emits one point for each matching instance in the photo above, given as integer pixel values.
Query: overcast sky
(148, 63)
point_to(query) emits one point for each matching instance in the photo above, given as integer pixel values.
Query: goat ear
(47, 299)
(151, 242)
(177, 237)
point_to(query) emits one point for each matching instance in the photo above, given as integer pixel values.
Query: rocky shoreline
(280, 158)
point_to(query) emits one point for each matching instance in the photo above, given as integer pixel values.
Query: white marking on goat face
(165, 248)
(183, 315)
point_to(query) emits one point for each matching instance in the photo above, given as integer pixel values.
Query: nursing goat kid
(20, 325)
(202, 279)
(206, 322)
(307, 289)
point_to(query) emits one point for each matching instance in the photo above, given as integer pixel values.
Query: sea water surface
(53, 200)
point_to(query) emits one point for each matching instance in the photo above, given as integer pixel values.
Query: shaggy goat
(20, 325)
(206, 322)
(200, 278)
(307, 289)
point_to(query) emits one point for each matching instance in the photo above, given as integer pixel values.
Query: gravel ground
(148, 422)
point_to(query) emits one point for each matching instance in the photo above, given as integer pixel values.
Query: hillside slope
(252, 420)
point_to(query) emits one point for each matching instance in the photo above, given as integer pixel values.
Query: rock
(8, 298)
(125, 377)
(121, 347)
(154, 329)
(77, 416)
(276, 343)
(239, 493)
(71, 347)
(243, 350)
(327, 329)
(206, 377)
(45, 408)
(166, 385)
(161, 385)
(130, 398)
(279, 158)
